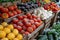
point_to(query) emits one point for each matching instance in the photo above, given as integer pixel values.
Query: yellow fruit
(1, 27)
(7, 30)
(15, 31)
(10, 26)
(5, 39)
(4, 24)
(19, 36)
(15, 39)
(2, 34)
(11, 36)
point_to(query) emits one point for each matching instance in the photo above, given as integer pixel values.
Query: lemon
(2, 34)
(10, 26)
(5, 39)
(11, 36)
(15, 31)
(15, 39)
(19, 36)
(7, 30)
(1, 27)
(4, 24)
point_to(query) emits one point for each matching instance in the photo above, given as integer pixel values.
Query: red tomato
(28, 24)
(22, 31)
(26, 33)
(34, 27)
(30, 29)
(15, 25)
(11, 8)
(15, 20)
(15, 7)
(5, 10)
(32, 21)
(20, 17)
(34, 16)
(35, 20)
(24, 27)
(38, 19)
(24, 16)
(37, 24)
(11, 14)
(25, 20)
(28, 15)
(20, 23)
(19, 28)
(14, 12)
(18, 11)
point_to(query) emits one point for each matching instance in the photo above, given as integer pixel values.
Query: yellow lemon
(15, 31)
(10, 26)
(19, 36)
(2, 34)
(11, 36)
(4, 24)
(4, 38)
(15, 39)
(7, 30)
(1, 27)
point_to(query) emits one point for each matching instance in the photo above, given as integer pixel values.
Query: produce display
(23, 21)
(26, 24)
(51, 6)
(8, 32)
(9, 11)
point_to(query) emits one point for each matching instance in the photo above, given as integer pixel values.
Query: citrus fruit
(19, 36)
(15, 31)
(7, 30)
(11, 36)
(2, 34)
(4, 24)
(1, 27)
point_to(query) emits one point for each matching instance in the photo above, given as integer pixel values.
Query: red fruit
(26, 33)
(22, 31)
(30, 17)
(38, 19)
(28, 14)
(15, 7)
(28, 24)
(11, 8)
(5, 10)
(34, 27)
(34, 16)
(15, 25)
(14, 12)
(35, 20)
(25, 20)
(18, 11)
(24, 16)
(11, 14)
(32, 21)
(15, 20)
(20, 23)
(24, 27)
(19, 28)
(30, 29)
(20, 17)
(37, 24)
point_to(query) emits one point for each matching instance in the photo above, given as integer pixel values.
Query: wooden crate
(33, 34)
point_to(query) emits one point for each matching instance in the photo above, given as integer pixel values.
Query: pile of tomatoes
(10, 11)
(51, 6)
(26, 24)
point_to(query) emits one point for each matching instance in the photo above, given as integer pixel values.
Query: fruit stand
(26, 19)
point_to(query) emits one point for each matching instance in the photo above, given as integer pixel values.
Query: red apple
(26, 33)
